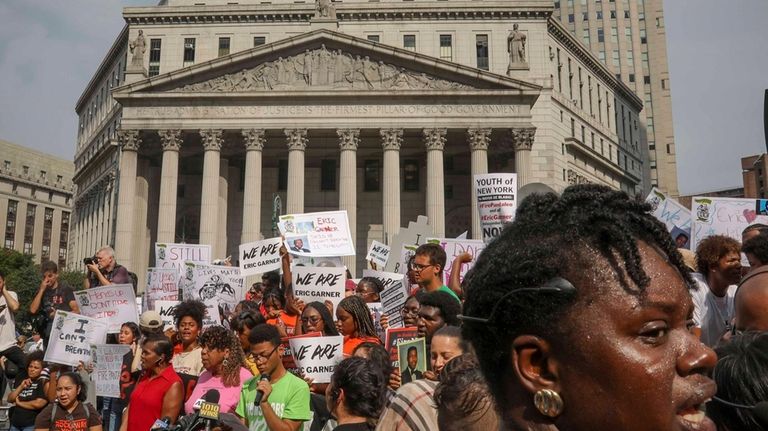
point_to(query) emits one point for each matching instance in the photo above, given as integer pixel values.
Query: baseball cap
(150, 319)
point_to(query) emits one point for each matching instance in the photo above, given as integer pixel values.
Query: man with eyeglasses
(285, 400)
(103, 270)
(428, 264)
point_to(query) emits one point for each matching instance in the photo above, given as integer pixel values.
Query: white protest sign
(259, 257)
(454, 248)
(406, 252)
(311, 283)
(107, 364)
(162, 285)
(415, 234)
(378, 254)
(724, 216)
(317, 357)
(72, 336)
(174, 255)
(212, 315)
(393, 296)
(114, 304)
(377, 310)
(496, 202)
(222, 285)
(317, 234)
(676, 217)
(166, 310)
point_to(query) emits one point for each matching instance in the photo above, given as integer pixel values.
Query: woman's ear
(534, 365)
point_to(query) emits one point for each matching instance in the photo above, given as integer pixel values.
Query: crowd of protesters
(582, 315)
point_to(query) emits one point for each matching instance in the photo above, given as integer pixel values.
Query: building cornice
(120, 43)
(65, 188)
(577, 145)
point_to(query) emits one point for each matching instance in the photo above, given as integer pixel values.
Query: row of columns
(90, 223)
(213, 205)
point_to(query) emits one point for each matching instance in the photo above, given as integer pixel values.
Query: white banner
(217, 285)
(393, 296)
(676, 217)
(496, 202)
(454, 248)
(378, 254)
(107, 364)
(259, 257)
(317, 234)
(162, 285)
(114, 304)
(725, 216)
(72, 336)
(317, 357)
(166, 310)
(312, 283)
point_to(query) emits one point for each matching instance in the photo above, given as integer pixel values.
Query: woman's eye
(654, 332)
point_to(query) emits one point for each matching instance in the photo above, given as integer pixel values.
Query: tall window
(63, 239)
(446, 47)
(614, 35)
(189, 51)
(282, 174)
(616, 62)
(600, 35)
(585, 36)
(628, 35)
(644, 59)
(631, 60)
(643, 36)
(374, 38)
(372, 176)
(29, 228)
(47, 227)
(328, 175)
(223, 46)
(481, 43)
(154, 56)
(409, 42)
(259, 40)
(10, 225)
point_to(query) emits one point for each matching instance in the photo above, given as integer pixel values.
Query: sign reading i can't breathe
(72, 336)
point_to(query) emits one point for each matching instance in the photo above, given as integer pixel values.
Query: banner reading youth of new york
(496, 202)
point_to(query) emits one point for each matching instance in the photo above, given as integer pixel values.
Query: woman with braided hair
(225, 370)
(355, 324)
(581, 318)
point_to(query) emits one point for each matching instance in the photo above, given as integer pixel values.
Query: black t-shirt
(64, 421)
(58, 299)
(22, 417)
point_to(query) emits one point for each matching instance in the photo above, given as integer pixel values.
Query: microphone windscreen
(212, 396)
(760, 412)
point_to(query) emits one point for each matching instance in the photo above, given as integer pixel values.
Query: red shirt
(350, 344)
(146, 403)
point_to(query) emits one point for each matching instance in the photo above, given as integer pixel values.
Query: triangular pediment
(323, 61)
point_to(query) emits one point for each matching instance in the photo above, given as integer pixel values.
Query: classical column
(434, 140)
(100, 217)
(349, 139)
(209, 196)
(221, 245)
(254, 144)
(391, 141)
(169, 183)
(522, 141)
(479, 139)
(110, 204)
(129, 142)
(297, 144)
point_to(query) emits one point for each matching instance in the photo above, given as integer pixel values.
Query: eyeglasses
(556, 285)
(312, 319)
(257, 357)
(409, 311)
(363, 292)
(418, 267)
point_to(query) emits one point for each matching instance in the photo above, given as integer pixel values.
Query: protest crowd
(584, 313)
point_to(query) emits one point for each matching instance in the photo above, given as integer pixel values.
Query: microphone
(161, 424)
(189, 422)
(259, 393)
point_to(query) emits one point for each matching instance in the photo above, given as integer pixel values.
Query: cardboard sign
(393, 296)
(107, 364)
(414, 235)
(312, 283)
(259, 257)
(162, 285)
(406, 252)
(166, 310)
(317, 234)
(114, 304)
(288, 362)
(222, 285)
(396, 336)
(317, 357)
(455, 247)
(377, 311)
(724, 216)
(496, 202)
(412, 360)
(174, 255)
(72, 336)
(378, 254)
(676, 217)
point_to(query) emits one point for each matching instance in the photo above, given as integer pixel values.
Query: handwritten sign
(107, 364)
(676, 217)
(162, 285)
(166, 310)
(317, 357)
(455, 247)
(496, 202)
(259, 257)
(114, 304)
(378, 254)
(412, 236)
(221, 285)
(72, 336)
(174, 255)
(393, 296)
(319, 284)
(724, 216)
(317, 234)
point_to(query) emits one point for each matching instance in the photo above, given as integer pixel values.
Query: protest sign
(317, 234)
(166, 310)
(328, 261)
(219, 285)
(72, 336)
(162, 285)
(406, 252)
(259, 257)
(376, 312)
(174, 255)
(378, 254)
(288, 362)
(496, 202)
(724, 216)
(213, 315)
(412, 360)
(114, 304)
(312, 283)
(455, 247)
(107, 364)
(393, 296)
(676, 217)
(414, 235)
(396, 336)
(317, 357)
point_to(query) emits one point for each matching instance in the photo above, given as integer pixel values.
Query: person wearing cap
(150, 323)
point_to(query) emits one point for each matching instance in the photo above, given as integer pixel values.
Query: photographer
(103, 270)
(52, 296)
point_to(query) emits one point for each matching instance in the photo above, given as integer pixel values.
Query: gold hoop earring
(548, 403)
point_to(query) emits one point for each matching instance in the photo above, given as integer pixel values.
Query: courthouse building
(203, 111)
(35, 202)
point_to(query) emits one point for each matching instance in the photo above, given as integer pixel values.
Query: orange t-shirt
(288, 320)
(350, 344)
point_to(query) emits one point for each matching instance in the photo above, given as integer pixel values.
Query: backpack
(87, 407)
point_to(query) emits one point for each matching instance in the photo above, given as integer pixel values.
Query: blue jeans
(29, 428)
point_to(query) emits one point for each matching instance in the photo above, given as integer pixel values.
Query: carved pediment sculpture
(322, 69)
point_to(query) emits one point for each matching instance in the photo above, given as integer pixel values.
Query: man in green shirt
(285, 403)
(428, 264)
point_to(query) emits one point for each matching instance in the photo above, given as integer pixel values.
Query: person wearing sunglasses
(428, 264)
(285, 398)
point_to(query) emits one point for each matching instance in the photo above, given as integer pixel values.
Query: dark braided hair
(361, 314)
(552, 237)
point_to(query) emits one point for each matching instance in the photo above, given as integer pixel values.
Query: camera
(90, 260)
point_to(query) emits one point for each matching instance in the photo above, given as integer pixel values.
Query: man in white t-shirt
(719, 263)
(14, 356)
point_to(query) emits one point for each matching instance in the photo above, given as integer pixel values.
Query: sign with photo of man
(413, 360)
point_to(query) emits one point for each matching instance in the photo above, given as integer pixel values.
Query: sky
(49, 49)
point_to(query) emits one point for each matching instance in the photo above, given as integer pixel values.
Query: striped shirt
(411, 409)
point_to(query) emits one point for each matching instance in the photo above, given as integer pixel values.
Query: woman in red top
(355, 323)
(159, 392)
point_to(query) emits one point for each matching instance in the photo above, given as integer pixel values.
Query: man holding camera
(103, 270)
